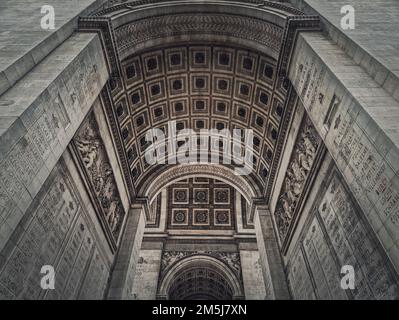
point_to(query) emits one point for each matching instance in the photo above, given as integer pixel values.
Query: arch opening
(200, 277)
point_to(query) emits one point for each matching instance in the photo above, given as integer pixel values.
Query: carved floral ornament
(92, 152)
(297, 175)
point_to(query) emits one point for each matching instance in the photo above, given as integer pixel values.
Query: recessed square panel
(200, 58)
(272, 133)
(178, 108)
(201, 217)
(177, 86)
(141, 122)
(136, 171)
(153, 64)
(121, 110)
(132, 153)
(241, 112)
(127, 133)
(200, 83)
(159, 113)
(200, 105)
(219, 124)
(143, 142)
(262, 98)
(266, 72)
(221, 107)
(277, 110)
(222, 86)
(132, 71)
(264, 171)
(256, 142)
(246, 64)
(137, 99)
(180, 195)
(176, 60)
(258, 122)
(199, 123)
(223, 59)
(221, 196)
(179, 216)
(222, 217)
(156, 90)
(267, 154)
(201, 196)
(243, 91)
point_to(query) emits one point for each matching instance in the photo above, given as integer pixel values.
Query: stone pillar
(251, 269)
(124, 269)
(147, 271)
(272, 265)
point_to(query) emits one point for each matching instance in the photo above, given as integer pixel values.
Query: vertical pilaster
(147, 271)
(251, 269)
(123, 273)
(272, 265)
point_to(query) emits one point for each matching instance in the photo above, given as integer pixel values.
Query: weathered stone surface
(254, 285)
(373, 42)
(24, 44)
(146, 278)
(361, 136)
(55, 231)
(46, 115)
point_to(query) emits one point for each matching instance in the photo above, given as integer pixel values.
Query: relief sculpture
(92, 152)
(302, 160)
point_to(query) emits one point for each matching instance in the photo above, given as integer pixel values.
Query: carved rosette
(94, 159)
(302, 160)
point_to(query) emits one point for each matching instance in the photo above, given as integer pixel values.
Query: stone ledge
(24, 44)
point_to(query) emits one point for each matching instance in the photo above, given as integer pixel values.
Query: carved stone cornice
(294, 25)
(230, 259)
(103, 26)
(130, 5)
(252, 29)
(109, 108)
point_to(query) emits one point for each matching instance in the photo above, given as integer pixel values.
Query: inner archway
(200, 277)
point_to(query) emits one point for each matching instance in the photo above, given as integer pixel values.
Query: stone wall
(59, 229)
(39, 116)
(147, 272)
(357, 120)
(334, 232)
(254, 286)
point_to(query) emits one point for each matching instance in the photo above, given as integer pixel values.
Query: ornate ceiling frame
(102, 23)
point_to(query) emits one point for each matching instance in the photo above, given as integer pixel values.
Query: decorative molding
(116, 42)
(259, 31)
(109, 108)
(216, 171)
(295, 24)
(230, 259)
(124, 5)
